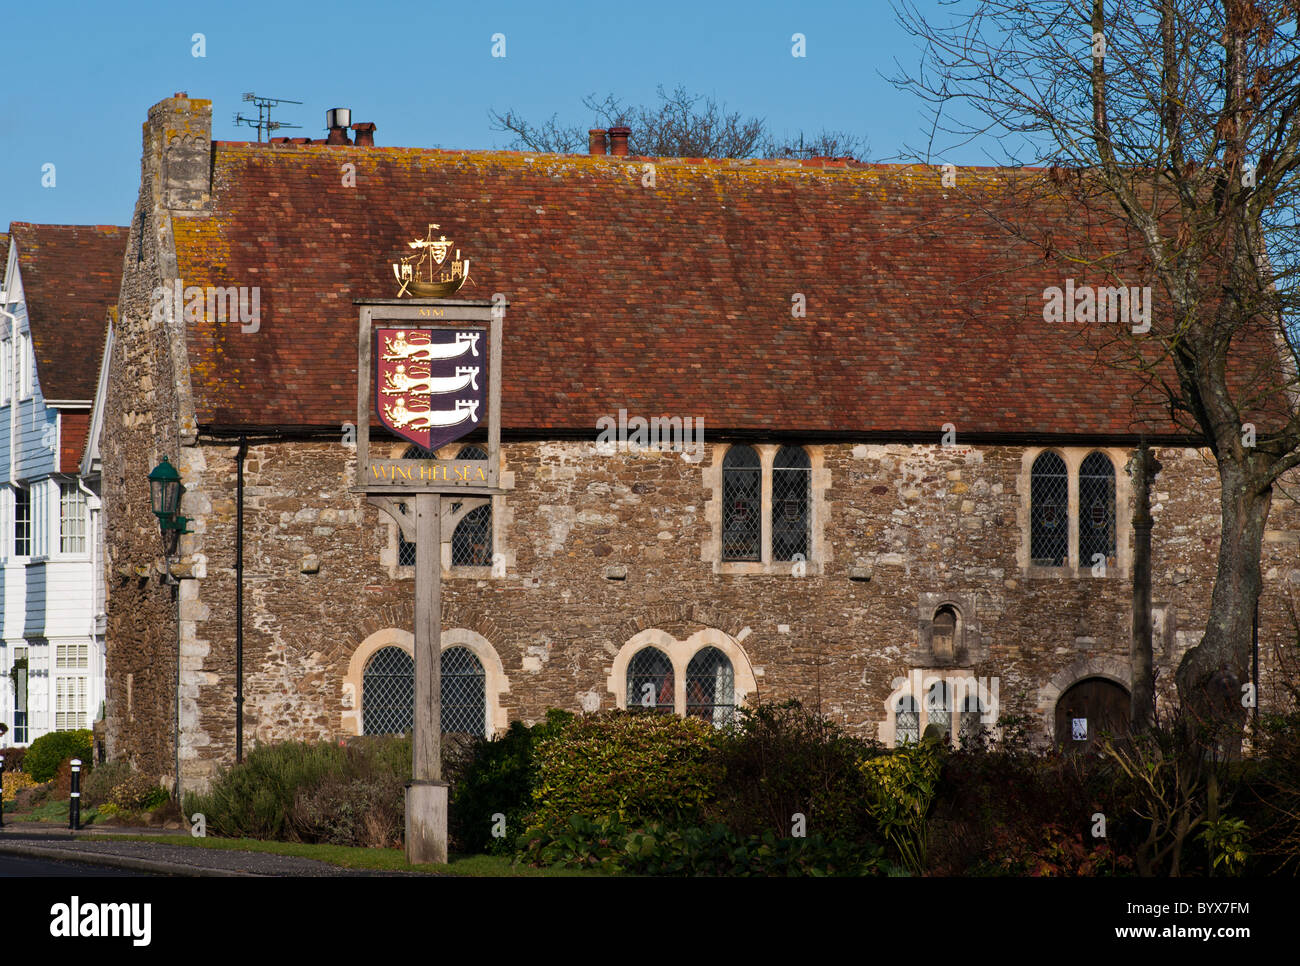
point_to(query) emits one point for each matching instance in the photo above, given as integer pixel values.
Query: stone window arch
(471, 541)
(708, 675)
(742, 503)
(1049, 511)
(1096, 510)
(791, 489)
(474, 682)
(959, 703)
(907, 721)
(944, 634)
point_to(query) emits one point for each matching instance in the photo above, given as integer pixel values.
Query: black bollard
(74, 803)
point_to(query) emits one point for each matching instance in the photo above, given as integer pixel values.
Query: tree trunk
(1142, 700)
(1212, 674)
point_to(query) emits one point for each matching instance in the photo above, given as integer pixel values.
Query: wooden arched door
(1087, 709)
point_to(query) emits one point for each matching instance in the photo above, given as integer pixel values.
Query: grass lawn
(380, 860)
(55, 812)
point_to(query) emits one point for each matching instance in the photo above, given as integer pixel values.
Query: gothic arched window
(907, 721)
(1049, 527)
(791, 472)
(388, 693)
(464, 693)
(742, 504)
(710, 687)
(650, 681)
(471, 541)
(1096, 509)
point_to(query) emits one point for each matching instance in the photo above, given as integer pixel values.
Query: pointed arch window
(388, 693)
(710, 687)
(938, 708)
(791, 475)
(650, 681)
(1096, 509)
(907, 721)
(1049, 532)
(464, 693)
(742, 503)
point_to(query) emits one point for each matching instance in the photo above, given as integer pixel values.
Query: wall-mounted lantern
(165, 489)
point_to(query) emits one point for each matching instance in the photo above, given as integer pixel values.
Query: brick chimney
(596, 141)
(178, 153)
(618, 141)
(365, 134)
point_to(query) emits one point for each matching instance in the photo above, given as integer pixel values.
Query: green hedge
(49, 751)
(631, 767)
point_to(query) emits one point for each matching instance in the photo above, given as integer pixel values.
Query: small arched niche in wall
(947, 635)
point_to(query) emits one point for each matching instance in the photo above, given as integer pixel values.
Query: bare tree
(681, 125)
(1177, 120)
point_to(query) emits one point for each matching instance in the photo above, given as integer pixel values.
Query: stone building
(58, 286)
(907, 482)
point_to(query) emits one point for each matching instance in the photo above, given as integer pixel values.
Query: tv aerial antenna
(263, 120)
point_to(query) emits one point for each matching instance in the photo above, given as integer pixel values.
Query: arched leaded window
(1096, 509)
(791, 472)
(650, 681)
(471, 541)
(742, 505)
(1049, 528)
(907, 721)
(464, 693)
(971, 725)
(711, 687)
(405, 549)
(388, 693)
(938, 708)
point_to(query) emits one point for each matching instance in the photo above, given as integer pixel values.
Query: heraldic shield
(430, 384)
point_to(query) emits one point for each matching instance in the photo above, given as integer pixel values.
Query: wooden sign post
(420, 364)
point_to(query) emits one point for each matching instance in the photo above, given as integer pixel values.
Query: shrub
(710, 850)
(629, 766)
(494, 778)
(135, 793)
(362, 811)
(99, 784)
(901, 786)
(257, 799)
(13, 758)
(49, 751)
(14, 782)
(782, 760)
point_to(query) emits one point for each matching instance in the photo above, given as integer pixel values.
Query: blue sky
(80, 77)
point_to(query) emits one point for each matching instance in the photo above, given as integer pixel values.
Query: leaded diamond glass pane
(405, 551)
(650, 681)
(742, 504)
(471, 542)
(418, 453)
(1049, 511)
(1096, 509)
(710, 687)
(464, 694)
(907, 721)
(971, 726)
(938, 707)
(791, 472)
(388, 693)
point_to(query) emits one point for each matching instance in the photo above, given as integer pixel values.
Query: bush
(13, 758)
(362, 811)
(14, 782)
(135, 793)
(99, 784)
(710, 850)
(49, 751)
(782, 760)
(258, 798)
(633, 767)
(496, 777)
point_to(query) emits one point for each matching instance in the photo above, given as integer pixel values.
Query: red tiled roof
(74, 427)
(71, 276)
(666, 300)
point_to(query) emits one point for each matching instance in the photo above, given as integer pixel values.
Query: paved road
(19, 865)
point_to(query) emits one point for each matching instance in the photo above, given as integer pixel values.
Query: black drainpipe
(239, 597)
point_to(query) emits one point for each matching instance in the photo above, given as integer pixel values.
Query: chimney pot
(618, 141)
(365, 133)
(337, 120)
(181, 94)
(597, 142)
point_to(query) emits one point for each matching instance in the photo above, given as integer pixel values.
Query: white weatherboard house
(59, 285)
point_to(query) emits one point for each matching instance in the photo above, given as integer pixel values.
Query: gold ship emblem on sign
(426, 272)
